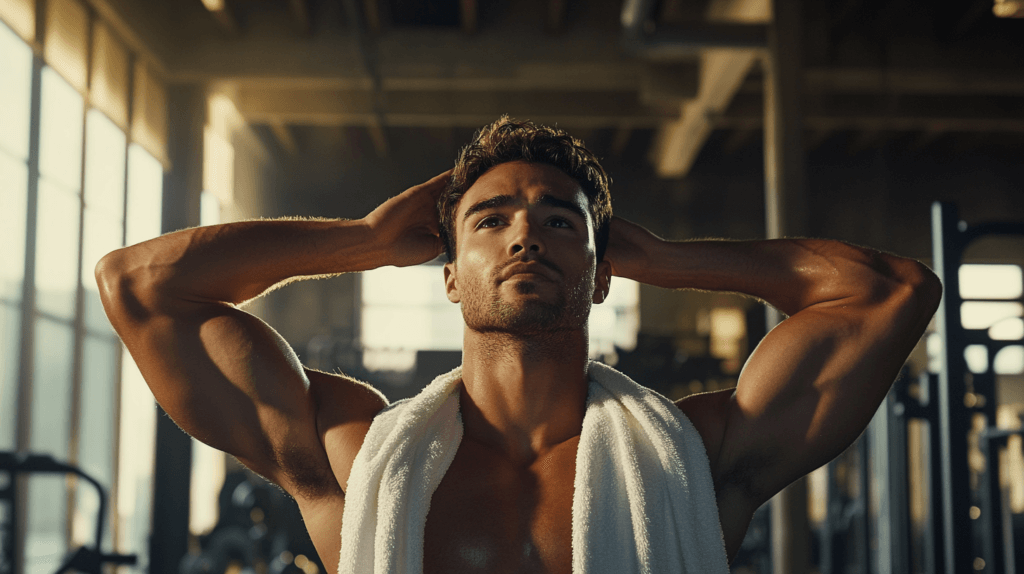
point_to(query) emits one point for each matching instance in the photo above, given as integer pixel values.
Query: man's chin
(526, 317)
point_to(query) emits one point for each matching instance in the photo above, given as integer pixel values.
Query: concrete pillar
(785, 216)
(182, 188)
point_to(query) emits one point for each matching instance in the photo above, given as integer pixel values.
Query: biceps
(807, 392)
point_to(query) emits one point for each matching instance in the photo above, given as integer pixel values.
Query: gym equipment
(968, 528)
(84, 559)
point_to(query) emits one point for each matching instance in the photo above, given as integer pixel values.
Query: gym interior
(896, 124)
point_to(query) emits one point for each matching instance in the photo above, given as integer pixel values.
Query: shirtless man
(528, 262)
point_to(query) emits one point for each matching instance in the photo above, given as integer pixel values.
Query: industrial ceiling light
(1008, 8)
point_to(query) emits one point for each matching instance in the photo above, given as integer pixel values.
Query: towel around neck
(644, 500)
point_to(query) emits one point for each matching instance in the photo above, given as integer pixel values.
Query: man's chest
(490, 516)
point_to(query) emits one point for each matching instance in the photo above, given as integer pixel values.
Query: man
(525, 217)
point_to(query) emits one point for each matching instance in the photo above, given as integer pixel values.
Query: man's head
(527, 214)
(507, 141)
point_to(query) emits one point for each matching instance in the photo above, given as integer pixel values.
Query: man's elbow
(117, 288)
(109, 272)
(922, 289)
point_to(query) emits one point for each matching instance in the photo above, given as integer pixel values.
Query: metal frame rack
(84, 559)
(968, 529)
(950, 239)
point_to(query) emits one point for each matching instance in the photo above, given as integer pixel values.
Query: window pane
(104, 207)
(15, 93)
(145, 195)
(984, 314)
(45, 543)
(137, 432)
(615, 322)
(207, 481)
(419, 285)
(10, 335)
(209, 209)
(137, 436)
(96, 432)
(13, 197)
(60, 143)
(56, 250)
(104, 165)
(51, 388)
(387, 327)
(47, 518)
(102, 235)
(406, 308)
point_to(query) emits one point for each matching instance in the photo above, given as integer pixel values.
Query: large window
(405, 310)
(15, 103)
(64, 206)
(992, 302)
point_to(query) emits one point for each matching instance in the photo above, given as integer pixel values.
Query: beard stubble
(484, 310)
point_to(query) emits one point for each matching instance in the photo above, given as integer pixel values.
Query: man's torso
(490, 515)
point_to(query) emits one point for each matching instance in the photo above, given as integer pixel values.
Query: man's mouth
(539, 268)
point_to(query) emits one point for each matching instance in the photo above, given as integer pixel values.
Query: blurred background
(848, 119)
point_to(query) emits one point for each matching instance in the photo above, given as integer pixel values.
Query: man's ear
(450, 288)
(602, 281)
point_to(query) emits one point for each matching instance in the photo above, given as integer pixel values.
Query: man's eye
(489, 222)
(559, 222)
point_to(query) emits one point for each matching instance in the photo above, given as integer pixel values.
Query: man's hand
(628, 248)
(406, 227)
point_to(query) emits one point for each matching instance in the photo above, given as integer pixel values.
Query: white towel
(644, 501)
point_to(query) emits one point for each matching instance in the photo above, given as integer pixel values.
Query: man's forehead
(522, 183)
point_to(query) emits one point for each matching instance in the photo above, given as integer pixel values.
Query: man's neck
(523, 396)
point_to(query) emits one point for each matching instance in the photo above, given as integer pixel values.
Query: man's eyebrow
(499, 201)
(490, 203)
(556, 202)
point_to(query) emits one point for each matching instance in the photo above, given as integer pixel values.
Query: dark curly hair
(507, 140)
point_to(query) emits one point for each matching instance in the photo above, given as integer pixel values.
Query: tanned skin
(525, 273)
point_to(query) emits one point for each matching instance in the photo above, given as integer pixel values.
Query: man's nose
(527, 241)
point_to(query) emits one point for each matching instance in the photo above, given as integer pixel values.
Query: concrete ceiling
(871, 66)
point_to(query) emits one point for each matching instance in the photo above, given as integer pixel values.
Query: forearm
(236, 262)
(790, 274)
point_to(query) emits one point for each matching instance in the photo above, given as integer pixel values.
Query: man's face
(525, 254)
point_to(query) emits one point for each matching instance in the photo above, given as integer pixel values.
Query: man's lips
(544, 270)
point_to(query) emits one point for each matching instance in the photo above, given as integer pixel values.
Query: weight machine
(968, 527)
(84, 559)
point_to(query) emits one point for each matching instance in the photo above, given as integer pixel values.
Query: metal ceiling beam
(583, 53)
(937, 114)
(446, 108)
(721, 74)
(904, 80)
(678, 142)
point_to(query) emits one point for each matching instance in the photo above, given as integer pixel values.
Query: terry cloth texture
(644, 501)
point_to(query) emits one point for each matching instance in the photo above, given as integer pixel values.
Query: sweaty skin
(525, 276)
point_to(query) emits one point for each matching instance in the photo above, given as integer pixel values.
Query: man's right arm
(225, 376)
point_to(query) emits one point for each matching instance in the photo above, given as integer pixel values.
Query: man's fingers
(437, 183)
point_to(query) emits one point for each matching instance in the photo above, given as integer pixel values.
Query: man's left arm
(813, 383)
